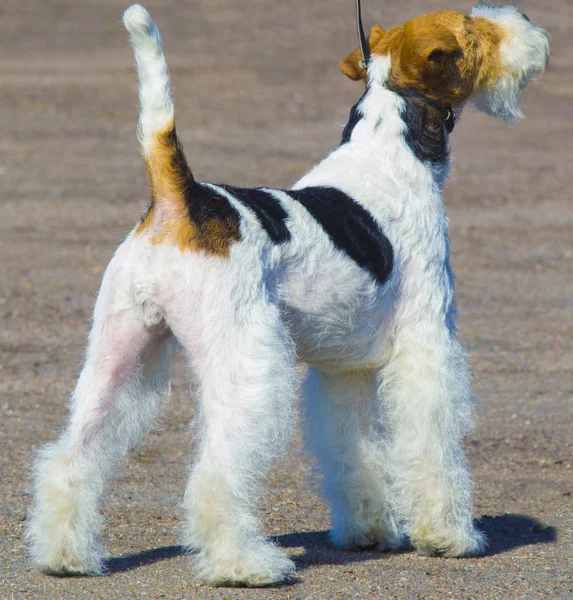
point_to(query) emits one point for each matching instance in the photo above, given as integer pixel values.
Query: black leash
(364, 47)
(446, 112)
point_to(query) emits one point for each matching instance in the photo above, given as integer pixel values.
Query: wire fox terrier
(347, 271)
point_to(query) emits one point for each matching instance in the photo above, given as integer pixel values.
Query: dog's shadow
(504, 533)
(128, 562)
(509, 531)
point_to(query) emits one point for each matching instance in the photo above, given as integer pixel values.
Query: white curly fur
(387, 400)
(523, 53)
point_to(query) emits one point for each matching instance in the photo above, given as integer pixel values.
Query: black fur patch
(267, 209)
(350, 227)
(206, 207)
(354, 118)
(425, 132)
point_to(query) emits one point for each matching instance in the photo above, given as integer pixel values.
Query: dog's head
(489, 55)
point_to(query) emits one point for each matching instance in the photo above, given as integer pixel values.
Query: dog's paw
(70, 567)
(366, 543)
(63, 557)
(451, 544)
(265, 565)
(376, 536)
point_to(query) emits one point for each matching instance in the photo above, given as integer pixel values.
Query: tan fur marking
(446, 55)
(167, 220)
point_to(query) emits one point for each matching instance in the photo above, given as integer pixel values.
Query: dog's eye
(526, 17)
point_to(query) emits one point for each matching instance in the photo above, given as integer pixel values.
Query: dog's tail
(169, 174)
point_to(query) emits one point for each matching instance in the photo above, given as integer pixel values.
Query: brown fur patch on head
(169, 219)
(446, 55)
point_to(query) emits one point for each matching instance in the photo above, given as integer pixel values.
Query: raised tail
(182, 212)
(169, 175)
(156, 107)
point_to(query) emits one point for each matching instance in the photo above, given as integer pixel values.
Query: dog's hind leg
(344, 430)
(245, 363)
(428, 399)
(117, 397)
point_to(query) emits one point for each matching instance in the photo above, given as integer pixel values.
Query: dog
(348, 271)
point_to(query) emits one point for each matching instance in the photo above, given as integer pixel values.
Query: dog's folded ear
(427, 59)
(433, 48)
(351, 65)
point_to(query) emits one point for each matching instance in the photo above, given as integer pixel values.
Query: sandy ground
(259, 99)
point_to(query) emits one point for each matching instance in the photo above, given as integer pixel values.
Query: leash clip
(449, 120)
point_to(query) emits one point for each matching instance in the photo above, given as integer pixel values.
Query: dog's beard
(523, 55)
(502, 99)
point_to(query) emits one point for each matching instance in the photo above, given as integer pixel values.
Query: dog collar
(446, 111)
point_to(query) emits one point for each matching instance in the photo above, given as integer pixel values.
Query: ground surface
(259, 99)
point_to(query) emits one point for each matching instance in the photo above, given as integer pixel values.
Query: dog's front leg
(245, 364)
(343, 429)
(429, 405)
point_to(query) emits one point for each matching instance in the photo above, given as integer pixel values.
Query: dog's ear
(426, 60)
(351, 66)
(437, 50)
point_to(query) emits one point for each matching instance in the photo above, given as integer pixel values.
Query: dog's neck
(388, 110)
(390, 134)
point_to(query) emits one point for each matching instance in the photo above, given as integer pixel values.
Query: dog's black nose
(526, 17)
